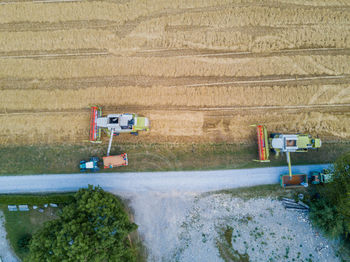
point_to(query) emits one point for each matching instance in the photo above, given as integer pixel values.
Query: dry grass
(173, 126)
(161, 96)
(131, 78)
(174, 67)
(151, 157)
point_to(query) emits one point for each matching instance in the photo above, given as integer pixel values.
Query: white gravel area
(190, 227)
(6, 252)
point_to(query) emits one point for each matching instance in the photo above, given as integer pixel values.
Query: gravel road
(125, 183)
(6, 252)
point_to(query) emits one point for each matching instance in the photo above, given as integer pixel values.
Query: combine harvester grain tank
(285, 143)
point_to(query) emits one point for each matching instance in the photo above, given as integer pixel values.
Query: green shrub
(23, 242)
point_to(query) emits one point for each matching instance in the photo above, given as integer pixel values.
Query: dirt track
(202, 72)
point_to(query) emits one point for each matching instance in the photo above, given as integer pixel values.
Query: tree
(331, 210)
(94, 227)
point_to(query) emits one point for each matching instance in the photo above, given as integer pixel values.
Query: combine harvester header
(263, 144)
(95, 131)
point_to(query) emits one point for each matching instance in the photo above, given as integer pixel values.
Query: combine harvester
(285, 143)
(113, 125)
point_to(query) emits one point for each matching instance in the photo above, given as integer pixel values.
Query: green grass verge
(20, 224)
(264, 191)
(37, 199)
(152, 157)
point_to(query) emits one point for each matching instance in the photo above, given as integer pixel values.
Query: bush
(23, 242)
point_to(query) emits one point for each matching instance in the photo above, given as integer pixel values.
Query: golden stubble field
(202, 71)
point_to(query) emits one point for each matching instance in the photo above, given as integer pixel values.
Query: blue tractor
(91, 166)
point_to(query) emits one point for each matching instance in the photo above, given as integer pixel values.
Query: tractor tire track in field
(243, 54)
(147, 81)
(310, 5)
(181, 53)
(54, 54)
(62, 25)
(39, 1)
(225, 110)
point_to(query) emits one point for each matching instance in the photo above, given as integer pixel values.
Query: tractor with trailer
(108, 162)
(285, 143)
(113, 125)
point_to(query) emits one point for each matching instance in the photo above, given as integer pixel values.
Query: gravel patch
(193, 227)
(6, 252)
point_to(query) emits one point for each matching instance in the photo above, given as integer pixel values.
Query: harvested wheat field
(202, 71)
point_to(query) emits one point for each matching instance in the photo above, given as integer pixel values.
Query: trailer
(115, 161)
(294, 181)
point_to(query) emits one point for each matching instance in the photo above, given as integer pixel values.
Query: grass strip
(40, 159)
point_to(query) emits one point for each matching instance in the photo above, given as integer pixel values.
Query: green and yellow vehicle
(114, 124)
(285, 143)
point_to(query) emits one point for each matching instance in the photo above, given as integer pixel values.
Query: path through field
(156, 182)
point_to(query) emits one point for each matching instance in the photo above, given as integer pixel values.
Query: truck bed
(115, 161)
(294, 181)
